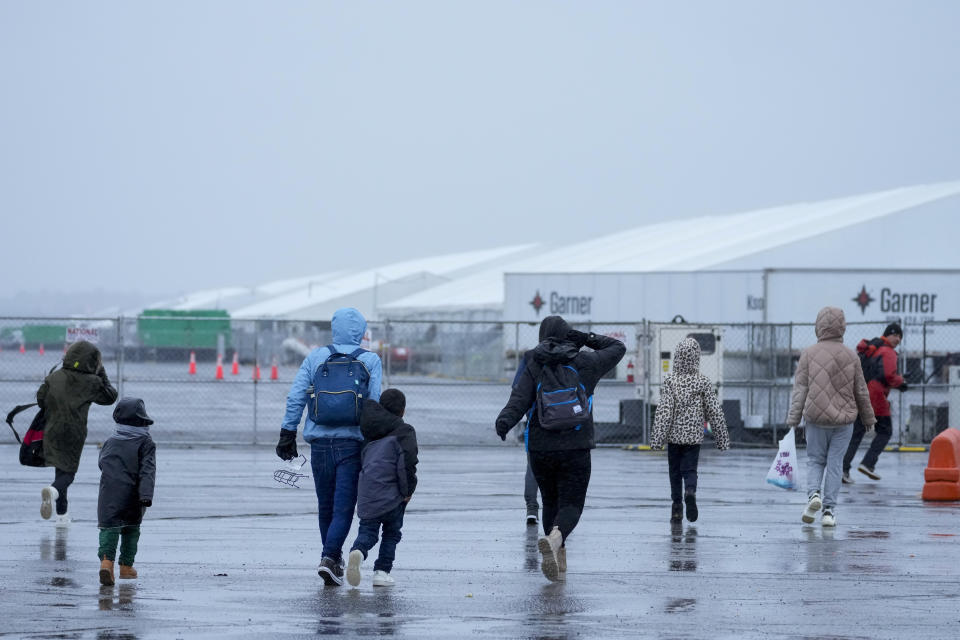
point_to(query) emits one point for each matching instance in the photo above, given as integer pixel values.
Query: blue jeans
(336, 471)
(392, 522)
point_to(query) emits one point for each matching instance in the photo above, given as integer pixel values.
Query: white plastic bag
(785, 470)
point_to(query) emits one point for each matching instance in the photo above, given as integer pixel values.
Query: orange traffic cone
(256, 371)
(23, 348)
(193, 363)
(630, 371)
(219, 374)
(235, 368)
(41, 350)
(274, 370)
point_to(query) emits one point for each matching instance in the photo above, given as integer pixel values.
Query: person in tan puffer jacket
(828, 393)
(688, 399)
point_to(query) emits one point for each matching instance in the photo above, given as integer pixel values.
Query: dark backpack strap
(356, 352)
(13, 414)
(332, 349)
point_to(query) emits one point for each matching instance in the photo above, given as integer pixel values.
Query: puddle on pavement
(683, 548)
(125, 593)
(868, 535)
(680, 605)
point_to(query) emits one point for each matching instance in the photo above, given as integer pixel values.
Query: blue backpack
(340, 385)
(562, 401)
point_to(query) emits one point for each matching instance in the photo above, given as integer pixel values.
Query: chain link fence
(213, 379)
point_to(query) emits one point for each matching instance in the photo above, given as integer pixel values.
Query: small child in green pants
(128, 468)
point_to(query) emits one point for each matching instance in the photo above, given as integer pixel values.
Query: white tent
(716, 242)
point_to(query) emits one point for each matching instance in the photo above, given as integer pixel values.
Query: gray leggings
(62, 480)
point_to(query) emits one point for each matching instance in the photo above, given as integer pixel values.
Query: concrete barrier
(942, 475)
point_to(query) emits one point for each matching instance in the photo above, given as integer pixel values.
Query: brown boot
(127, 573)
(106, 572)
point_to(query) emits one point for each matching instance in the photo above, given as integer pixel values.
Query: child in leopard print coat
(688, 399)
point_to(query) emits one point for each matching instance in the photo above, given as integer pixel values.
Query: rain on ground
(228, 552)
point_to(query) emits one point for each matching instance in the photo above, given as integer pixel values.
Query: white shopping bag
(785, 470)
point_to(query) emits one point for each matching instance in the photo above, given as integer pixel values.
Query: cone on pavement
(256, 371)
(219, 374)
(23, 348)
(41, 350)
(235, 368)
(193, 363)
(274, 370)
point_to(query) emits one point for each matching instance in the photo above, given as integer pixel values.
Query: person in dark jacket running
(65, 397)
(560, 459)
(128, 468)
(880, 370)
(388, 478)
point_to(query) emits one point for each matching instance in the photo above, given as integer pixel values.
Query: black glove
(903, 387)
(146, 503)
(578, 338)
(502, 430)
(287, 447)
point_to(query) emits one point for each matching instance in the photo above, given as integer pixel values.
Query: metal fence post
(516, 346)
(120, 356)
(256, 378)
(645, 419)
(923, 386)
(389, 342)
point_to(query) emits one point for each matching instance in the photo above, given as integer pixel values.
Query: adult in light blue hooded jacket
(334, 451)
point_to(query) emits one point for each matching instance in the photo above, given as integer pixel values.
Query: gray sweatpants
(825, 449)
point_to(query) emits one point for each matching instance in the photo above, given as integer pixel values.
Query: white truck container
(666, 337)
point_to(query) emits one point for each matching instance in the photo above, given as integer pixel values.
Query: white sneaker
(810, 513)
(847, 479)
(868, 471)
(383, 579)
(828, 519)
(532, 520)
(63, 520)
(49, 496)
(549, 548)
(353, 567)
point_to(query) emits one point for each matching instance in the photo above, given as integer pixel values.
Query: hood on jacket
(82, 356)
(686, 357)
(131, 412)
(348, 326)
(554, 327)
(376, 422)
(831, 324)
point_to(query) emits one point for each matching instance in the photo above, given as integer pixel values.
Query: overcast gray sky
(169, 146)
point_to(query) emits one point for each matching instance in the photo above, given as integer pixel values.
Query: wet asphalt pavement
(227, 552)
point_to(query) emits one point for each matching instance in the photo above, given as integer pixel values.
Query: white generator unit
(666, 337)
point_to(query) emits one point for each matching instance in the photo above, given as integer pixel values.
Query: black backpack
(562, 401)
(31, 446)
(871, 362)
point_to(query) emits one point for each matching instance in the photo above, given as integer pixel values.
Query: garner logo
(559, 304)
(891, 302)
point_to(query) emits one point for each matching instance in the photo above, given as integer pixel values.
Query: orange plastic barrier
(942, 475)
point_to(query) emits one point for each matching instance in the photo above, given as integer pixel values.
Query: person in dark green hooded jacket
(65, 397)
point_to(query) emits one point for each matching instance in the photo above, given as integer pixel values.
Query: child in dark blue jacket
(388, 477)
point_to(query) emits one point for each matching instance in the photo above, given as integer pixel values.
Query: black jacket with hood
(65, 398)
(388, 468)
(128, 467)
(556, 348)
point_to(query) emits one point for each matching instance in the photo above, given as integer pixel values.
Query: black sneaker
(676, 512)
(331, 571)
(692, 513)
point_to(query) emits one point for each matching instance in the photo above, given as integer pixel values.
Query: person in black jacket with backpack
(560, 453)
